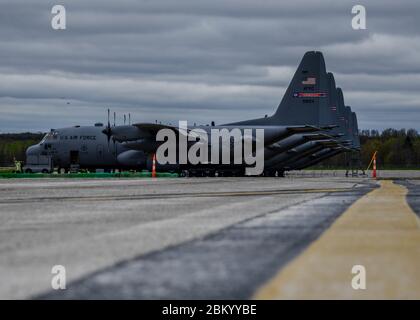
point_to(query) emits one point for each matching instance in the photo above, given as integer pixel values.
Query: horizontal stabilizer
(302, 129)
(330, 127)
(317, 136)
(329, 143)
(338, 135)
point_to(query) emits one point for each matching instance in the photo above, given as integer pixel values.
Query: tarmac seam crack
(154, 183)
(167, 196)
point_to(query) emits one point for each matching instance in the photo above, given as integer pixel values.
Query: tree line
(14, 145)
(397, 149)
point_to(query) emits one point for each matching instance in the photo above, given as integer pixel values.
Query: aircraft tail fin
(330, 115)
(307, 93)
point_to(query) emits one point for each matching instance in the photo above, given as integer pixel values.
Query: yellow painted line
(380, 232)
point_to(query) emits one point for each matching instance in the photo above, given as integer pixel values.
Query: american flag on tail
(309, 80)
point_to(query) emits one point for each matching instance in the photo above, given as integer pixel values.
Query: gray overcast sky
(201, 60)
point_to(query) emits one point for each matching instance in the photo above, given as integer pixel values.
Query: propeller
(107, 130)
(113, 139)
(115, 147)
(124, 119)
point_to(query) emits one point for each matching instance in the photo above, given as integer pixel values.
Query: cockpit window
(50, 136)
(44, 138)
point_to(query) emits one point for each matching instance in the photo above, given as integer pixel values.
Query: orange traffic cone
(373, 161)
(154, 166)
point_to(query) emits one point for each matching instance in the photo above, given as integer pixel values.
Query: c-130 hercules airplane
(310, 124)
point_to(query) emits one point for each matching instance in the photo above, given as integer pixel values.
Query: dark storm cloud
(200, 60)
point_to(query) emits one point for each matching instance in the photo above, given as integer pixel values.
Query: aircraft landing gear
(183, 173)
(269, 173)
(273, 173)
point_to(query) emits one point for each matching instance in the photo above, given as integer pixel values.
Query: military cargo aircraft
(310, 123)
(293, 124)
(345, 143)
(347, 128)
(81, 147)
(326, 115)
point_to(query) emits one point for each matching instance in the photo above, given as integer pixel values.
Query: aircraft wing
(153, 128)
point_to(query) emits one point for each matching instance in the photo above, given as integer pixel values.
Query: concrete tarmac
(162, 238)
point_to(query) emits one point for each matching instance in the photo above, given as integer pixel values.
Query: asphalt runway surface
(413, 195)
(187, 238)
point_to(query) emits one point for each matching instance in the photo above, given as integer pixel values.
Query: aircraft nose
(33, 150)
